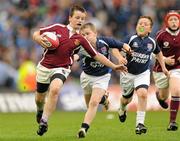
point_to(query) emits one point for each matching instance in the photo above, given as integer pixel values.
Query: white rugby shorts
(161, 81)
(44, 74)
(130, 81)
(88, 82)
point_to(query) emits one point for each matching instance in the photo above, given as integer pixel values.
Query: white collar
(71, 29)
(173, 33)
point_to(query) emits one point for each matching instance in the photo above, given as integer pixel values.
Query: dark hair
(147, 17)
(76, 8)
(89, 25)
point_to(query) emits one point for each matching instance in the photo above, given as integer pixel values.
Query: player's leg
(161, 82)
(141, 83)
(97, 94)
(141, 109)
(85, 81)
(174, 103)
(162, 95)
(40, 99)
(124, 101)
(50, 105)
(43, 81)
(127, 84)
(56, 82)
(98, 86)
(104, 101)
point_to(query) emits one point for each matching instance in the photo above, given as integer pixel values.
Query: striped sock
(174, 106)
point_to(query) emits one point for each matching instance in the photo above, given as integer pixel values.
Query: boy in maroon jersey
(54, 67)
(169, 41)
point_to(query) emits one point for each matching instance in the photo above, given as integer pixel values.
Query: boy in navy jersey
(54, 67)
(95, 76)
(168, 40)
(138, 76)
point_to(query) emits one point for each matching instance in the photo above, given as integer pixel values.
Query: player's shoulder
(151, 39)
(103, 39)
(78, 38)
(56, 25)
(131, 38)
(60, 25)
(161, 33)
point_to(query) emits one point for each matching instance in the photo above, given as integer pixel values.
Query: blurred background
(19, 55)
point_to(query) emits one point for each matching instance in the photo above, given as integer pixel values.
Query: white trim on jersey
(43, 55)
(47, 27)
(159, 33)
(132, 37)
(153, 42)
(91, 47)
(173, 33)
(103, 42)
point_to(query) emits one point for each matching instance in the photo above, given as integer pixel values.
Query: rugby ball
(52, 38)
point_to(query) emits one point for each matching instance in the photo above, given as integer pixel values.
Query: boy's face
(89, 34)
(143, 27)
(77, 19)
(173, 22)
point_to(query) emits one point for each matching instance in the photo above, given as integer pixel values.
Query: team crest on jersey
(149, 46)
(135, 44)
(166, 45)
(76, 42)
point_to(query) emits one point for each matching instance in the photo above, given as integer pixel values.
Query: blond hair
(89, 25)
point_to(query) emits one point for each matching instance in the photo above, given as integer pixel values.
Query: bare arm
(160, 58)
(116, 53)
(101, 58)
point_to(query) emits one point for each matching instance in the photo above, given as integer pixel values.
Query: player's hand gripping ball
(53, 41)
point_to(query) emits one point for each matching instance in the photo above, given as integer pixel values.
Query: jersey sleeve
(88, 47)
(51, 28)
(157, 49)
(126, 39)
(112, 43)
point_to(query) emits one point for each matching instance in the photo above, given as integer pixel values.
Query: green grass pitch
(63, 126)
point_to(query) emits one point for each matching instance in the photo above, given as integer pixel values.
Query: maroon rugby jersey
(62, 56)
(170, 45)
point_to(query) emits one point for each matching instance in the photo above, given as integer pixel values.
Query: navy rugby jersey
(142, 51)
(93, 67)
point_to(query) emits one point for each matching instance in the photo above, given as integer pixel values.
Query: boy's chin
(141, 34)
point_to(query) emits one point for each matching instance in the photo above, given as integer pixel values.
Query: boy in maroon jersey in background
(54, 67)
(169, 41)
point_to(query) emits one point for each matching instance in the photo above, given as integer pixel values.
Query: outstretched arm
(101, 58)
(116, 53)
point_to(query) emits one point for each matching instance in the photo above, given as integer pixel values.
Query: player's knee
(143, 96)
(93, 103)
(175, 92)
(54, 90)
